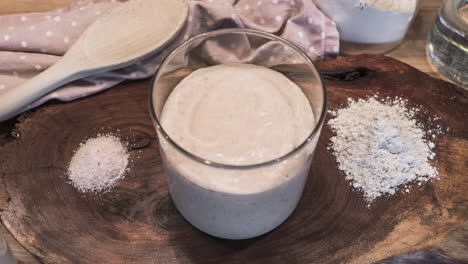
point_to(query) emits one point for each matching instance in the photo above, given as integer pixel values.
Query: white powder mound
(396, 6)
(98, 164)
(380, 146)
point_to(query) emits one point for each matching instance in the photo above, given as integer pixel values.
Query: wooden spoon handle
(15, 100)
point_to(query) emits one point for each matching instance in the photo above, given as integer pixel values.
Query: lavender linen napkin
(30, 43)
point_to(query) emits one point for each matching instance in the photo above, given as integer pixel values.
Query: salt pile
(98, 164)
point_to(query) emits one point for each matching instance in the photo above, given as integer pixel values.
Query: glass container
(447, 44)
(240, 201)
(370, 26)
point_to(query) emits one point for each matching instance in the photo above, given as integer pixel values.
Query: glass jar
(447, 44)
(370, 26)
(237, 201)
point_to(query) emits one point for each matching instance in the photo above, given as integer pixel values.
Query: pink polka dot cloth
(30, 43)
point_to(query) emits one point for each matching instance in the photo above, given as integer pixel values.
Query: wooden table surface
(412, 51)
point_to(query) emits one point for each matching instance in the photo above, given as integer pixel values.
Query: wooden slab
(137, 222)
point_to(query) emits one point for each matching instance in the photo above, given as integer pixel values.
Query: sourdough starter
(236, 114)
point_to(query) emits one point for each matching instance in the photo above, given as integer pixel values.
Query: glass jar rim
(254, 32)
(449, 15)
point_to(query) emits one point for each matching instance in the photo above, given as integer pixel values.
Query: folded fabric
(30, 43)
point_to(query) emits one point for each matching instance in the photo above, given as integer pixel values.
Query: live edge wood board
(137, 223)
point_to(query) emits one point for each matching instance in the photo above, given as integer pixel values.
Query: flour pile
(380, 146)
(98, 164)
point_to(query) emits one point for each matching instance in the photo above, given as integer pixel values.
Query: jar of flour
(370, 26)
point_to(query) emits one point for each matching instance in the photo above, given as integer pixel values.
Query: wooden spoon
(129, 32)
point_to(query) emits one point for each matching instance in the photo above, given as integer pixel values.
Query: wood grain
(137, 222)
